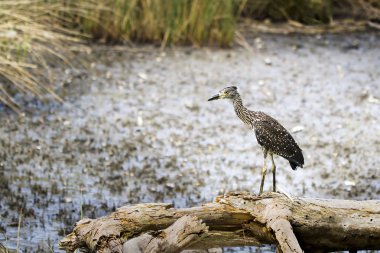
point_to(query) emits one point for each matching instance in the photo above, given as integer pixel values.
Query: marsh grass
(18, 231)
(3, 249)
(305, 12)
(32, 36)
(204, 22)
(196, 22)
(315, 12)
(36, 33)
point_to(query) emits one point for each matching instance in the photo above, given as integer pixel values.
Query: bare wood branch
(240, 219)
(185, 231)
(277, 217)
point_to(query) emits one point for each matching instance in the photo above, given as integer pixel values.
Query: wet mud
(137, 127)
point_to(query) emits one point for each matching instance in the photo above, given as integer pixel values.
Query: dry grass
(205, 22)
(33, 33)
(196, 22)
(31, 36)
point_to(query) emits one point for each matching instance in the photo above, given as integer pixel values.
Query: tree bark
(185, 231)
(236, 219)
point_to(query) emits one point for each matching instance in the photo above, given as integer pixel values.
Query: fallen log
(238, 219)
(185, 231)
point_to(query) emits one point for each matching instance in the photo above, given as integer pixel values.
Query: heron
(273, 138)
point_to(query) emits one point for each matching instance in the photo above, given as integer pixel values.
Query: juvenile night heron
(271, 135)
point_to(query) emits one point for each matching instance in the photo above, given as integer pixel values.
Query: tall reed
(197, 22)
(33, 33)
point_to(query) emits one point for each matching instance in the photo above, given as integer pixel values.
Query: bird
(273, 138)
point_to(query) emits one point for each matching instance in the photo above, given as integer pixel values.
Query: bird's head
(228, 92)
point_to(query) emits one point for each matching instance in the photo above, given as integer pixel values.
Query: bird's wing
(275, 138)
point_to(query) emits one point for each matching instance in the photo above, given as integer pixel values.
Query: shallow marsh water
(137, 127)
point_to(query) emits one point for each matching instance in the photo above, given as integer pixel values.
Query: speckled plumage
(270, 134)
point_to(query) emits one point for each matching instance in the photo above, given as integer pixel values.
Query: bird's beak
(214, 97)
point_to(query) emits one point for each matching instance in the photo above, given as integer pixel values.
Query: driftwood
(235, 219)
(184, 232)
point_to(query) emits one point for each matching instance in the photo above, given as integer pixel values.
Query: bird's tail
(294, 165)
(297, 160)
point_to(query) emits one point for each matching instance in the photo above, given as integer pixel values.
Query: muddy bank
(137, 127)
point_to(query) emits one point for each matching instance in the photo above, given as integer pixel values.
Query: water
(137, 127)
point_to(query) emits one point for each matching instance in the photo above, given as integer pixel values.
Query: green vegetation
(206, 22)
(35, 33)
(306, 12)
(197, 22)
(312, 12)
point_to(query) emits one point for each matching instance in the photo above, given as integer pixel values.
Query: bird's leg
(264, 172)
(274, 172)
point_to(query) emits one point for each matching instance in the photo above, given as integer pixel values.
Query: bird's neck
(238, 103)
(241, 111)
